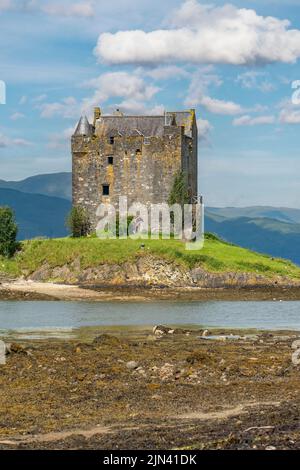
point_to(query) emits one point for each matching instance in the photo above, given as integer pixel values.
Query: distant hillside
(37, 215)
(284, 214)
(270, 236)
(55, 184)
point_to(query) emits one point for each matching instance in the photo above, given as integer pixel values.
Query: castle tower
(133, 156)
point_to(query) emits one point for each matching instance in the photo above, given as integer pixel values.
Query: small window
(138, 152)
(105, 190)
(111, 140)
(110, 160)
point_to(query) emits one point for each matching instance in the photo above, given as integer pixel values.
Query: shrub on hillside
(8, 232)
(78, 222)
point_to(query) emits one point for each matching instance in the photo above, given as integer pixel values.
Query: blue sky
(234, 62)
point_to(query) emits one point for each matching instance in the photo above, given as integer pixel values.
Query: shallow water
(59, 318)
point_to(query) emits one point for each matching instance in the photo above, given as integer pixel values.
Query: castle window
(111, 140)
(138, 152)
(110, 160)
(105, 189)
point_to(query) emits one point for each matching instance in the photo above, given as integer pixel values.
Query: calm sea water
(22, 316)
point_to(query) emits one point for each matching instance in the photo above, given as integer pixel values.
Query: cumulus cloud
(16, 116)
(197, 93)
(67, 108)
(82, 9)
(166, 72)
(134, 90)
(138, 108)
(130, 92)
(39, 98)
(23, 100)
(69, 9)
(201, 33)
(253, 121)
(122, 84)
(60, 140)
(290, 116)
(13, 142)
(289, 112)
(204, 129)
(200, 81)
(255, 80)
(216, 106)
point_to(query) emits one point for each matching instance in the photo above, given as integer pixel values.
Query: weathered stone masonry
(133, 156)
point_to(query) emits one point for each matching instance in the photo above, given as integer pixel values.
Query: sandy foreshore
(132, 389)
(33, 290)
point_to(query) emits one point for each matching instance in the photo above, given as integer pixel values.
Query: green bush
(179, 193)
(8, 232)
(78, 222)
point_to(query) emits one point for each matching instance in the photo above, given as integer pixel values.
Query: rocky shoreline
(33, 290)
(160, 389)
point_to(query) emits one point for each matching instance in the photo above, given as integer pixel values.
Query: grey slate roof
(148, 126)
(84, 127)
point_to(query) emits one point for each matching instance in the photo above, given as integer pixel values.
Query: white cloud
(39, 98)
(122, 84)
(200, 82)
(16, 116)
(131, 93)
(82, 9)
(67, 108)
(13, 142)
(205, 34)
(21, 142)
(23, 100)
(255, 80)
(253, 121)
(138, 108)
(216, 106)
(166, 72)
(60, 140)
(290, 116)
(131, 87)
(197, 93)
(204, 129)
(289, 112)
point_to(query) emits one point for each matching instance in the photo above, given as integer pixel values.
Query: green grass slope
(264, 235)
(216, 256)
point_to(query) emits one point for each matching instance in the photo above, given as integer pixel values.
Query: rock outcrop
(151, 271)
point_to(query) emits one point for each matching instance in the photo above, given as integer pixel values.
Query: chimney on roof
(97, 115)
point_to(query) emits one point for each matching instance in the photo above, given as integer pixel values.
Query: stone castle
(133, 156)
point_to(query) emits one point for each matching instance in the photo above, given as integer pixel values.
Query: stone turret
(83, 127)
